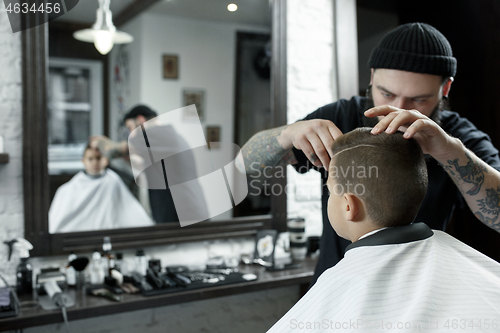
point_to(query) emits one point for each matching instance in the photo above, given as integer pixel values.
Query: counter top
(90, 306)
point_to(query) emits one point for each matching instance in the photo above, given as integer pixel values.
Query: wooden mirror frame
(35, 159)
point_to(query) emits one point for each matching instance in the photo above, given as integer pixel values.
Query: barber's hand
(431, 137)
(107, 147)
(314, 137)
(99, 141)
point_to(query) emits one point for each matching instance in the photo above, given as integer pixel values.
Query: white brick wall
(310, 53)
(11, 185)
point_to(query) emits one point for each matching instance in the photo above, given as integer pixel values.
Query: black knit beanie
(140, 110)
(415, 47)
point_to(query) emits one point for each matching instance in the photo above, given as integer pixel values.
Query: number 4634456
(26, 8)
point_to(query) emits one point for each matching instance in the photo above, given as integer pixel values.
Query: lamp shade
(103, 33)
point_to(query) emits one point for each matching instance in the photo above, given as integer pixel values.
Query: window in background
(74, 111)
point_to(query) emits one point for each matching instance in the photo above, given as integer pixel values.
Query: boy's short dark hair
(89, 147)
(386, 170)
(140, 110)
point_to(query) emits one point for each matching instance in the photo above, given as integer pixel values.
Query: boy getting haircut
(386, 171)
(396, 276)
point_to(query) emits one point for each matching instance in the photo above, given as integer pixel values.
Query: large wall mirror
(231, 65)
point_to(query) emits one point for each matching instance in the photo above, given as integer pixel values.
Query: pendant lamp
(103, 33)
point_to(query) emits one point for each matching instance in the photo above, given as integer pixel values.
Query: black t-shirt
(442, 194)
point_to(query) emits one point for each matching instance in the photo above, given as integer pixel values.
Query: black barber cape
(402, 279)
(442, 194)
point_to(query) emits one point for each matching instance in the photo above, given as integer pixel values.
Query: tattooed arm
(264, 149)
(109, 148)
(274, 146)
(478, 182)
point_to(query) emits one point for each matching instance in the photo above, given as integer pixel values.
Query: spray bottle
(24, 271)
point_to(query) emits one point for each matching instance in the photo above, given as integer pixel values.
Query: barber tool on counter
(298, 241)
(50, 284)
(271, 251)
(24, 272)
(56, 299)
(70, 271)
(96, 269)
(79, 264)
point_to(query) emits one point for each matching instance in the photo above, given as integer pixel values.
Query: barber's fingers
(397, 120)
(308, 150)
(424, 126)
(321, 137)
(327, 132)
(382, 110)
(320, 151)
(315, 138)
(384, 123)
(404, 118)
(335, 132)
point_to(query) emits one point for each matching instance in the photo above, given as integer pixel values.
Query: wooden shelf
(4, 158)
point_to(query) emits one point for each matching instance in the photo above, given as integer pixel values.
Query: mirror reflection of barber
(160, 201)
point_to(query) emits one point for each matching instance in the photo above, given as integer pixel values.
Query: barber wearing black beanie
(412, 70)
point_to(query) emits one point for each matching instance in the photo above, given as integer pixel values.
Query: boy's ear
(353, 208)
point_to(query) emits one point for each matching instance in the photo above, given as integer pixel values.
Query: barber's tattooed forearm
(265, 149)
(470, 178)
(490, 206)
(472, 173)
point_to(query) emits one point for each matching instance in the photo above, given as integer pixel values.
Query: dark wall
(473, 29)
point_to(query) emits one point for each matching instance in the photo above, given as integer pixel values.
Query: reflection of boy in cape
(95, 199)
(396, 276)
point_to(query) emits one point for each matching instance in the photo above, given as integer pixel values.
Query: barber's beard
(371, 122)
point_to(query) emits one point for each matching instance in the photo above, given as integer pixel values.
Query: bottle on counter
(70, 271)
(111, 263)
(141, 263)
(96, 269)
(24, 272)
(106, 253)
(119, 261)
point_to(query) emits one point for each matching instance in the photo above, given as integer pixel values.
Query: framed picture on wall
(170, 66)
(213, 136)
(196, 97)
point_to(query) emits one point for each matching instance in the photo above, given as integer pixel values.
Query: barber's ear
(371, 76)
(352, 205)
(447, 87)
